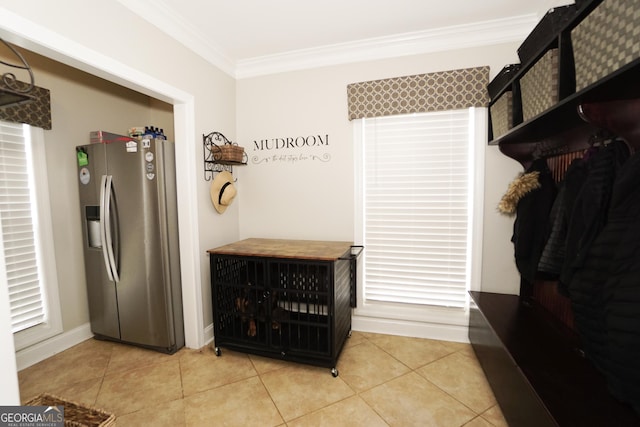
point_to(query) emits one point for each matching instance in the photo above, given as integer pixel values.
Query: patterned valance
(35, 113)
(445, 90)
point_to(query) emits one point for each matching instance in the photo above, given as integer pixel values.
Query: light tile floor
(383, 380)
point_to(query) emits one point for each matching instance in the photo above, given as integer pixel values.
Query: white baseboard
(208, 334)
(47, 348)
(403, 328)
(455, 333)
(38, 352)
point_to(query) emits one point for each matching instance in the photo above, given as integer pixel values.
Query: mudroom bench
(536, 369)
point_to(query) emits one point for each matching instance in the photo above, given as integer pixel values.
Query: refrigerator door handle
(108, 190)
(103, 235)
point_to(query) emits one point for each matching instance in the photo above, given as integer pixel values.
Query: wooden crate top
(283, 248)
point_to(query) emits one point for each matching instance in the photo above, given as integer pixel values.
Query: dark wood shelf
(563, 117)
(561, 129)
(536, 368)
(562, 126)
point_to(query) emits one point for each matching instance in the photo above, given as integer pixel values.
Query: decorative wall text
(274, 150)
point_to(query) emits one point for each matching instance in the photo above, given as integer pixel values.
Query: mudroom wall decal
(291, 149)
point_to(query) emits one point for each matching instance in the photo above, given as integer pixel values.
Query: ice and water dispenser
(92, 217)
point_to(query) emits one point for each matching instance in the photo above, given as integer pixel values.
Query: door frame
(24, 33)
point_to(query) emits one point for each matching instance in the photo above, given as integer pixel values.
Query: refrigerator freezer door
(101, 291)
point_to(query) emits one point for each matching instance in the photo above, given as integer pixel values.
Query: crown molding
(484, 33)
(158, 13)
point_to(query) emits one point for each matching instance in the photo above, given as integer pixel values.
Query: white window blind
(416, 208)
(18, 221)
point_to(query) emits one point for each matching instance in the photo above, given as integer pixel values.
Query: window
(26, 247)
(419, 178)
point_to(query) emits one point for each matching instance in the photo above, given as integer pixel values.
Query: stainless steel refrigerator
(130, 232)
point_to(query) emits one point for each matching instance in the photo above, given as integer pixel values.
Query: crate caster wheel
(334, 372)
(217, 351)
(349, 334)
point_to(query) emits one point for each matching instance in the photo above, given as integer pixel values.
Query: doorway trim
(24, 33)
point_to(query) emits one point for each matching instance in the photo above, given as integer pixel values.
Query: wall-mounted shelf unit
(562, 126)
(220, 154)
(530, 346)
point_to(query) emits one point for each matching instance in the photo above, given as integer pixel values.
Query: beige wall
(313, 199)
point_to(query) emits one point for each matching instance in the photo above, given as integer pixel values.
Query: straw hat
(222, 191)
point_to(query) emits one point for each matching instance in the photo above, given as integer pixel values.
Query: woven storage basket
(539, 85)
(227, 153)
(606, 40)
(502, 80)
(501, 112)
(545, 32)
(76, 415)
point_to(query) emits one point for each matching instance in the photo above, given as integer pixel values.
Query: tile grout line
(414, 370)
(184, 407)
(270, 396)
(354, 393)
(104, 374)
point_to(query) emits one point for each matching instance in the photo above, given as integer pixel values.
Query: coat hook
(582, 114)
(619, 117)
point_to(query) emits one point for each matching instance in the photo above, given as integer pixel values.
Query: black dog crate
(286, 299)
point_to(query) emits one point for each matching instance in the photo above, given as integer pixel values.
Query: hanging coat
(531, 226)
(621, 292)
(553, 255)
(589, 212)
(605, 290)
